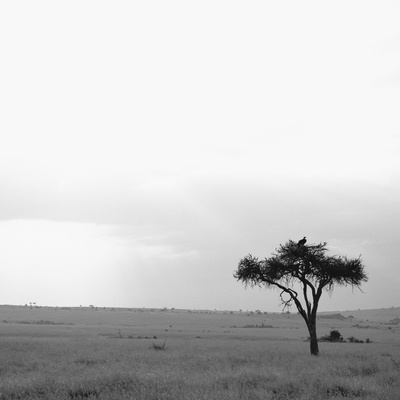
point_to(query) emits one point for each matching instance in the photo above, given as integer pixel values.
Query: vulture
(302, 242)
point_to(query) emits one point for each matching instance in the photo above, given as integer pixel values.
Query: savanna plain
(104, 353)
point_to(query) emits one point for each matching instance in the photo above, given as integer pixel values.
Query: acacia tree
(308, 269)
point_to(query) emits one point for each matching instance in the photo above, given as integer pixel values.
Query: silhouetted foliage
(310, 268)
(334, 336)
(352, 339)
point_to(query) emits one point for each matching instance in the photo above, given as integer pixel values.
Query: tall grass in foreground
(195, 369)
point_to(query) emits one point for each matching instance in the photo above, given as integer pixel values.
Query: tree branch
(286, 303)
(308, 304)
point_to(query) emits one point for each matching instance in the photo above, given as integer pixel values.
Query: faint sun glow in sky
(147, 147)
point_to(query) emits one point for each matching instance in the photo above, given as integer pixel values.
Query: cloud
(56, 263)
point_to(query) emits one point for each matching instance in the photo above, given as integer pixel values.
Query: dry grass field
(97, 353)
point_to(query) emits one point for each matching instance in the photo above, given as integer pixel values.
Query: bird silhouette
(302, 242)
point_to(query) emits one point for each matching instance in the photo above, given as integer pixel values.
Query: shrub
(158, 346)
(334, 336)
(352, 339)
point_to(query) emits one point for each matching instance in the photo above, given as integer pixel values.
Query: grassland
(49, 353)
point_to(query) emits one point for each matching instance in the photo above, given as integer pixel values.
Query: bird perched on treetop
(302, 242)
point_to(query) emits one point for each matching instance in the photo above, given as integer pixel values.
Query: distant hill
(379, 314)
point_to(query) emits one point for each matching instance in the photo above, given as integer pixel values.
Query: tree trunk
(312, 329)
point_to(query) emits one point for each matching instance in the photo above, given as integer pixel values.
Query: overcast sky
(146, 147)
